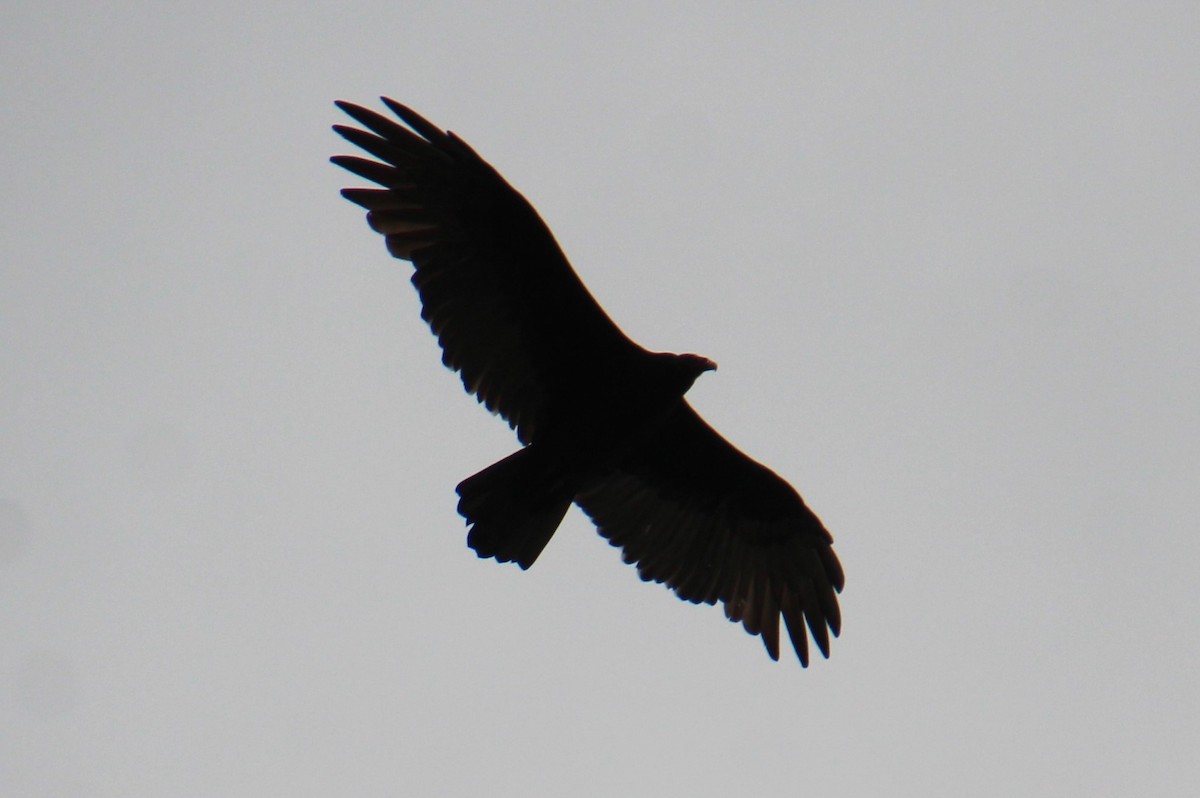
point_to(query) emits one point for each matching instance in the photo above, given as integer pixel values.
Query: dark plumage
(603, 421)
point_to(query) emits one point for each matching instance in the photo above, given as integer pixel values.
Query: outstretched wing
(694, 512)
(511, 315)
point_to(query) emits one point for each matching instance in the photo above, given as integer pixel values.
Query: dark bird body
(603, 422)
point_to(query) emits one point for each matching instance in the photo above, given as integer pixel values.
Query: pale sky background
(946, 255)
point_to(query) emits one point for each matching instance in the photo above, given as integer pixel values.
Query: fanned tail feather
(514, 507)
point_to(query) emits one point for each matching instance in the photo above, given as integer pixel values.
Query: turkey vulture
(602, 421)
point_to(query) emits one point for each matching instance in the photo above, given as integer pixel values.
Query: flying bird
(603, 422)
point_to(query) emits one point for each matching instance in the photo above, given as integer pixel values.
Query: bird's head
(699, 364)
(692, 366)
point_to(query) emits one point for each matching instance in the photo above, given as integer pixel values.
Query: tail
(514, 506)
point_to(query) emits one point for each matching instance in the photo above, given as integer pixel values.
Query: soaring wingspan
(694, 512)
(604, 420)
(510, 313)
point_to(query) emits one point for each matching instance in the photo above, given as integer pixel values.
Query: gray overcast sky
(946, 256)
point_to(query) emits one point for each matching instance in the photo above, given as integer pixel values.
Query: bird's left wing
(694, 512)
(510, 313)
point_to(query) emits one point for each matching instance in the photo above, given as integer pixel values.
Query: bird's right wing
(511, 315)
(694, 512)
